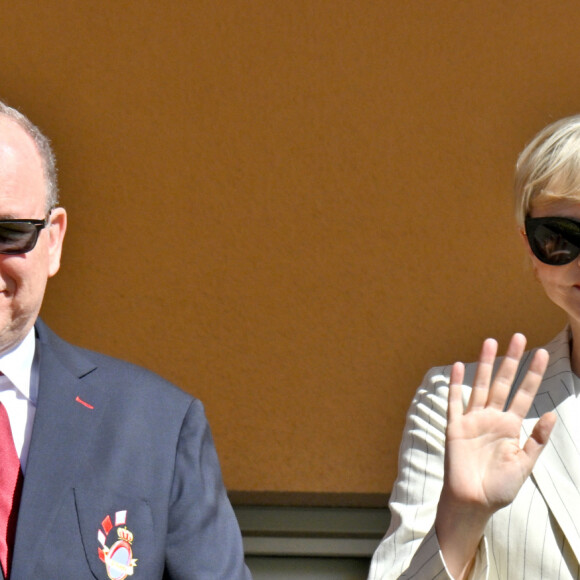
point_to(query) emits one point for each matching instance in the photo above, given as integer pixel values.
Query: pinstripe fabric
(537, 536)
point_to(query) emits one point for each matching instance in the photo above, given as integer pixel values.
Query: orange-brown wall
(293, 209)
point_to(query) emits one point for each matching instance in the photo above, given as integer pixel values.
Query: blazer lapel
(557, 471)
(67, 413)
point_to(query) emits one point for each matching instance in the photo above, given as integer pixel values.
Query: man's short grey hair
(44, 149)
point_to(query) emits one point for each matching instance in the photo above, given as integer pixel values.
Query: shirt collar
(17, 365)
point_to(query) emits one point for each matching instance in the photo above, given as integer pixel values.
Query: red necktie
(11, 480)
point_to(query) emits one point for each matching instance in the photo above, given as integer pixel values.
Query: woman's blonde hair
(548, 169)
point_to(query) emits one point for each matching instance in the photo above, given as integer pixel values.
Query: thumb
(540, 436)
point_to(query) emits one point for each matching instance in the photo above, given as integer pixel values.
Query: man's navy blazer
(122, 477)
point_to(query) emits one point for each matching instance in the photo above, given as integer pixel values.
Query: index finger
(529, 386)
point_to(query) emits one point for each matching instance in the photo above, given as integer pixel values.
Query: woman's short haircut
(548, 169)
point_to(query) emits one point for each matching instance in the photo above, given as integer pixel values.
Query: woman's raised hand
(485, 466)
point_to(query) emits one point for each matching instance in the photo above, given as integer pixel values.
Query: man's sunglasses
(20, 236)
(554, 240)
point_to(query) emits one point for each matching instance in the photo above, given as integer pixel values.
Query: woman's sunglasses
(20, 236)
(554, 240)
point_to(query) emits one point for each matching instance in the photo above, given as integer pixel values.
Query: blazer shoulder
(101, 368)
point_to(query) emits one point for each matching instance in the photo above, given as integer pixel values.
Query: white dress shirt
(19, 392)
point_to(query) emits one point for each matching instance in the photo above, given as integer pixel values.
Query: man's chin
(11, 336)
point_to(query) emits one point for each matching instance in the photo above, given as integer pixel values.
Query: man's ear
(56, 232)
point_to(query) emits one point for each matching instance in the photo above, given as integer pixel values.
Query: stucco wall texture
(293, 209)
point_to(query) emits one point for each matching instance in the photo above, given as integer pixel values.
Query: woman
(489, 468)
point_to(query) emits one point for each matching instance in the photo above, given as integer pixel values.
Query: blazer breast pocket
(118, 535)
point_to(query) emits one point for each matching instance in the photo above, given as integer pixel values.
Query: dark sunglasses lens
(555, 242)
(17, 238)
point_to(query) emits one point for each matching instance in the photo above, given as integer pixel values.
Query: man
(120, 474)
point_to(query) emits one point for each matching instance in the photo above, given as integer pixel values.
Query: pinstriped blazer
(537, 536)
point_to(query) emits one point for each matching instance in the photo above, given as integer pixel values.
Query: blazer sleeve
(410, 548)
(203, 538)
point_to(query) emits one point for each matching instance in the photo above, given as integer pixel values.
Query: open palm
(485, 466)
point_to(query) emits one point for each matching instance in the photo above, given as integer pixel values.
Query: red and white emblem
(118, 557)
